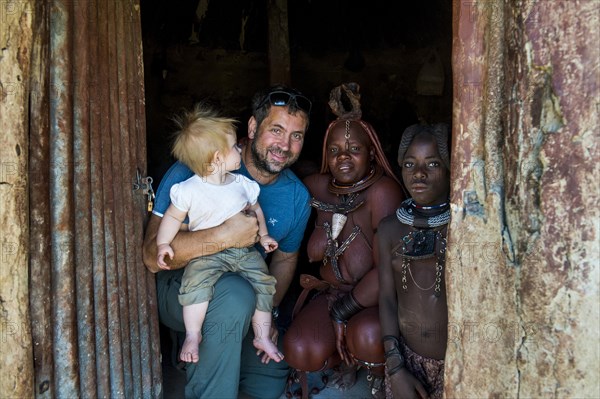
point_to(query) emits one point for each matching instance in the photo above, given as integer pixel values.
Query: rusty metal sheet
(147, 310)
(95, 322)
(39, 211)
(82, 203)
(66, 375)
(131, 240)
(98, 261)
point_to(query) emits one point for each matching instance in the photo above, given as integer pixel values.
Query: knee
(234, 297)
(305, 348)
(363, 336)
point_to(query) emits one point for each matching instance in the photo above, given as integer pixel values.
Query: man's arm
(239, 231)
(282, 267)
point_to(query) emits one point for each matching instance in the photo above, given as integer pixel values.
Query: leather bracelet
(394, 352)
(344, 308)
(395, 369)
(391, 338)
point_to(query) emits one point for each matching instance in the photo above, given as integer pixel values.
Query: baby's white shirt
(208, 205)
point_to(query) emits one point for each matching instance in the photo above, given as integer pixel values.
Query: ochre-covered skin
(310, 343)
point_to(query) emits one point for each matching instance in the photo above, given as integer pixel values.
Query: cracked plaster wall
(524, 258)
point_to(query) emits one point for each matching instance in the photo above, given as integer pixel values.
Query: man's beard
(262, 164)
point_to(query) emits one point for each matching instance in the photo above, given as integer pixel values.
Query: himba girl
(412, 248)
(355, 189)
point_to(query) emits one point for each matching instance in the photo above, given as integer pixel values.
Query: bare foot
(269, 348)
(189, 349)
(343, 378)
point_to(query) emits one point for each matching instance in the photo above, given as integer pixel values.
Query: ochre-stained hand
(406, 385)
(340, 342)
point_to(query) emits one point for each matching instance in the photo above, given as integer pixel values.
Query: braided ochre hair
(351, 90)
(439, 132)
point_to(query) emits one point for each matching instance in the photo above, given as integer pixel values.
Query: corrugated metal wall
(94, 320)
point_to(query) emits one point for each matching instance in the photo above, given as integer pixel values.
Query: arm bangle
(344, 308)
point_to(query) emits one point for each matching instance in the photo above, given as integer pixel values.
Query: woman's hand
(340, 342)
(407, 386)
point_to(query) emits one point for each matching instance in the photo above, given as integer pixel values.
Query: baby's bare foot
(189, 350)
(269, 348)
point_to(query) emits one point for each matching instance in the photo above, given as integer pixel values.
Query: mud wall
(523, 264)
(16, 38)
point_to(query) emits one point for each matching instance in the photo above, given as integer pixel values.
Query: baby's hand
(268, 243)
(164, 250)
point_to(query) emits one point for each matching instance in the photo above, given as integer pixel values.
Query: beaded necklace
(432, 207)
(426, 241)
(423, 217)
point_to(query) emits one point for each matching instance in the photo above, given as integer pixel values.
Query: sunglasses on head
(283, 98)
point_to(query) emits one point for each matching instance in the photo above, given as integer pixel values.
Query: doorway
(217, 52)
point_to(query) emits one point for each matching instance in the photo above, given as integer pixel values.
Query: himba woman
(356, 188)
(412, 249)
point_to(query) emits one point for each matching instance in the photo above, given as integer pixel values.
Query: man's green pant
(226, 351)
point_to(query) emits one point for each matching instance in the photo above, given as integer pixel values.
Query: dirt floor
(174, 380)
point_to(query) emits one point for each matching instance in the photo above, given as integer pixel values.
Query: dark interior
(216, 51)
(388, 47)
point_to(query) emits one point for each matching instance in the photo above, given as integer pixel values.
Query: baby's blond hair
(201, 132)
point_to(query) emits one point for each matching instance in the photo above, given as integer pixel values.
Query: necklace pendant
(337, 224)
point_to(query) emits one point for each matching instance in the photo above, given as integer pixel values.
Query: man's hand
(241, 230)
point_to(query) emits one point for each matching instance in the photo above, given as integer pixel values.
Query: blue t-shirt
(285, 203)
